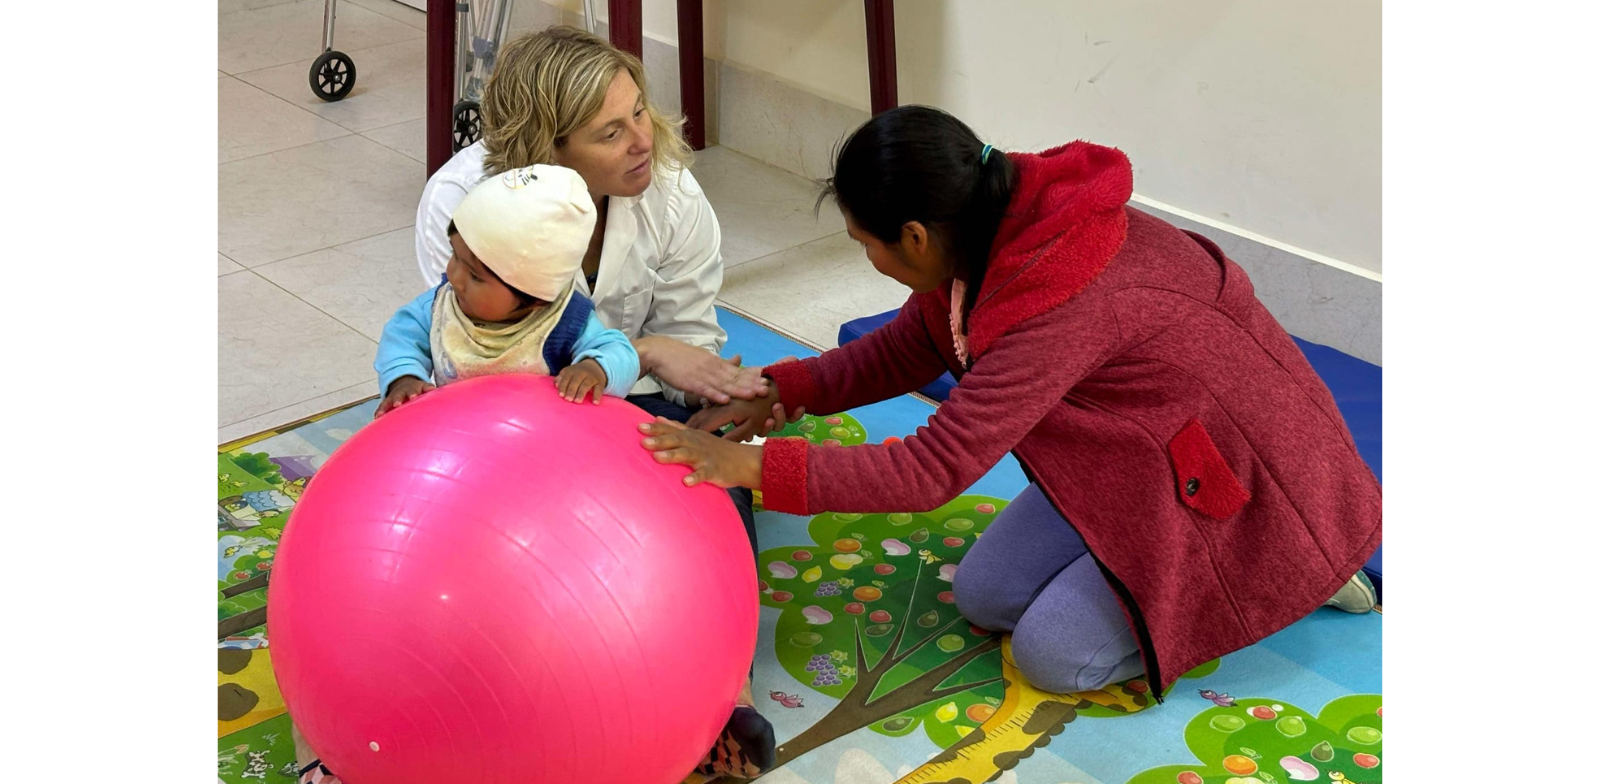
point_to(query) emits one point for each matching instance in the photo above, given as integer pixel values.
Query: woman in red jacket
(1193, 487)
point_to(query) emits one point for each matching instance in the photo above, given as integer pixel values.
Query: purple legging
(1031, 574)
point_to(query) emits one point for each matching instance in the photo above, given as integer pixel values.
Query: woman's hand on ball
(697, 371)
(580, 379)
(750, 418)
(714, 460)
(403, 390)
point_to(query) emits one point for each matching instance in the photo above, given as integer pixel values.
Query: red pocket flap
(1205, 482)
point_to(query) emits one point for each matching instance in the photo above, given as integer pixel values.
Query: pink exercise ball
(490, 584)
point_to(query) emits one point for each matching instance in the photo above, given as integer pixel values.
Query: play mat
(863, 665)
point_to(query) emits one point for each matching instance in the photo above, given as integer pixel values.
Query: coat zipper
(1147, 649)
(1152, 668)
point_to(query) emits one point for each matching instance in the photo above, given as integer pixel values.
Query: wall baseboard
(776, 122)
(1313, 300)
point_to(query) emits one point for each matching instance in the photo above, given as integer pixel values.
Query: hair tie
(985, 157)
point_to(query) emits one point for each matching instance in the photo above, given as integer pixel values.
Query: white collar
(622, 228)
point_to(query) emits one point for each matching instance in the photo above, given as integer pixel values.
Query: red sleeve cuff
(796, 386)
(783, 475)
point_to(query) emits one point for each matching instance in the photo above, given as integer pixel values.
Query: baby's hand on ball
(579, 380)
(403, 390)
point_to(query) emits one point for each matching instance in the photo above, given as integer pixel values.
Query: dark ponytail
(917, 163)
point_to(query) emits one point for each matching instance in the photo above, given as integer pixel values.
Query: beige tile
(226, 266)
(235, 6)
(275, 351)
(360, 283)
(295, 201)
(390, 86)
(532, 16)
(811, 290)
(298, 411)
(292, 32)
(408, 138)
(400, 12)
(251, 122)
(762, 209)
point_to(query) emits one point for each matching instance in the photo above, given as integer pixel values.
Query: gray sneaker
(1357, 595)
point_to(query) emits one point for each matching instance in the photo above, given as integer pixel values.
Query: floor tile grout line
(298, 146)
(347, 132)
(278, 97)
(411, 225)
(336, 319)
(352, 53)
(783, 250)
(259, 8)
(291, 405)
(419, 34)
(393, 124)
(364, 135)
(422, 14)
(320, 141)
(234, 262)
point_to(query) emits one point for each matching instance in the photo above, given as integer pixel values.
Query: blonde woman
(653, 267)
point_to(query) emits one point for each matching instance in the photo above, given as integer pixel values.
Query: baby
(507, 304)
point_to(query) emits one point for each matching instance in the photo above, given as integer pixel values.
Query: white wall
(1261, 116)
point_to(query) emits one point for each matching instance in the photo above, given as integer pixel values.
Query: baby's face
(481, 295)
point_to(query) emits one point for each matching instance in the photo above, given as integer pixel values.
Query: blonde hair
(547, 85)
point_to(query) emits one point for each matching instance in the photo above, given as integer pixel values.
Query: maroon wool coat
(1130, 368)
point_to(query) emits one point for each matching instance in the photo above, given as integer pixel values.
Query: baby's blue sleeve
(404, 350)
(613, 351)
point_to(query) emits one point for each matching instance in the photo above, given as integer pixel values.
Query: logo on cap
(517, 178)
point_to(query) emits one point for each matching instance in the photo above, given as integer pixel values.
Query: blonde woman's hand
(750, 418)
(699, 372)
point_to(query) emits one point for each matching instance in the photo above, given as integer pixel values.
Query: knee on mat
(979, 601)
(1051, 669)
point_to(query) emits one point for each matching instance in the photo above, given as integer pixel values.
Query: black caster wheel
(467, 126)
(333, 75)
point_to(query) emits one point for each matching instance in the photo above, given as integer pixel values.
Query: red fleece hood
(1065, 222)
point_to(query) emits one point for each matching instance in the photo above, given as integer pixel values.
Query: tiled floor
(316, 204)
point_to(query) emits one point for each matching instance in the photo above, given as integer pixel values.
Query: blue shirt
(405, 350)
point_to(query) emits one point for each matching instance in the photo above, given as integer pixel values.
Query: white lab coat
(660, 262)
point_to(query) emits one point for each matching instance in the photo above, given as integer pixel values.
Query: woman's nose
(641, 136)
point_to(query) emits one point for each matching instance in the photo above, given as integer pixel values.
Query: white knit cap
(531, 226)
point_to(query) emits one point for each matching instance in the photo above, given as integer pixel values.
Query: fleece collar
(1065, 223)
